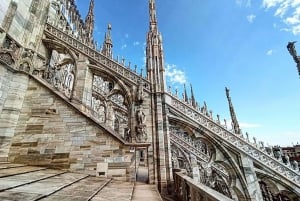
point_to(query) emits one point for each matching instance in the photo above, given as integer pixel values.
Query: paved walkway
(29, 183)
(142, 190)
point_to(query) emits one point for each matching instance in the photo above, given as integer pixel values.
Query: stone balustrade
(251, 149)
(186, 189)
(95, 55)
(190, 148)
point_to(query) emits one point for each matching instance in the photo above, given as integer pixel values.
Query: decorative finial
(107, 43)
(186, 98)
(152, 10)
(89, 22)
(192, 97)
(235, 124)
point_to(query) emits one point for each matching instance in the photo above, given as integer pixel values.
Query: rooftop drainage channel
(32, 182)
(9, 175)
(44, 196)
(99, 189)
(3, 168)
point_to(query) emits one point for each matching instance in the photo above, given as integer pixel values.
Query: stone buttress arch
(232, 167)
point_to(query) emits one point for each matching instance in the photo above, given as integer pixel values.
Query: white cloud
(123, 46)
(248, 4)
(296, 29)
(136, 43)
(292, 20)
(270, 52)
(282, 9)
(251, 18)
(238, 2)
(288, 11)
(244, 125)
(271, 3)
(174, 75)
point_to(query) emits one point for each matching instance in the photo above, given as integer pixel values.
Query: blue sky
(213, 44)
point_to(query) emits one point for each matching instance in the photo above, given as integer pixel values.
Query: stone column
(82, 90)
(251, 178)
(162, 144)
(13, 87)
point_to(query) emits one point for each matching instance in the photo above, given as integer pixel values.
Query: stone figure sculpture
(141, 134)
(26, 61)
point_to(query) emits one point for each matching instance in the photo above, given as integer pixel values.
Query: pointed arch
(61, 67)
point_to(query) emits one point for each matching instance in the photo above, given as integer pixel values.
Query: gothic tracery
(108, 104)
(61, 72)
(213, 175)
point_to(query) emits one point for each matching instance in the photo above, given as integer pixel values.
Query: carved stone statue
(26, 61)
(127, 135)
(295, 165)
(141, 134)
(141, 117)
(247, 136)
(68, 79)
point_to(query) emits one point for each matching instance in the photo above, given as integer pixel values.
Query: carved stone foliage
(60, 72)
(109, 104)
(9, 52)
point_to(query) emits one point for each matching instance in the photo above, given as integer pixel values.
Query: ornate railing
(257, 153)
(190, 148)
(186, 189)
(95, 55)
